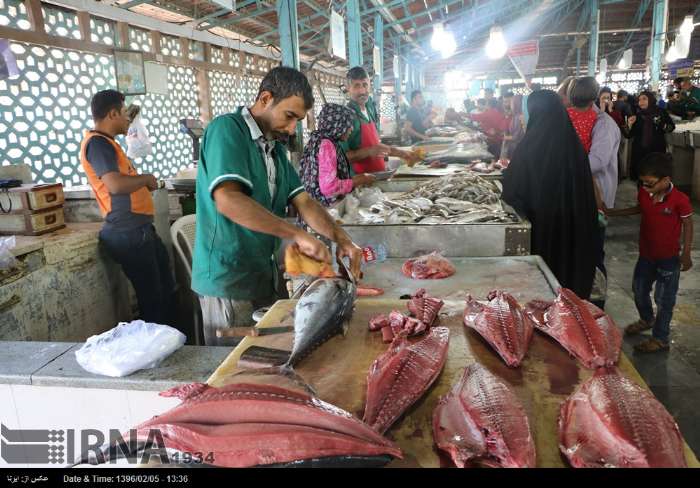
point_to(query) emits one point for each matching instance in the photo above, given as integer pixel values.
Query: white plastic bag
(128, 347)
(7, 259)
(137, 141)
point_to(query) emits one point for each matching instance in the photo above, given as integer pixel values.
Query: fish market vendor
(364, 148)
(244, 184)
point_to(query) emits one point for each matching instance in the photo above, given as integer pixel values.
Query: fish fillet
(502, 323)
(401, 375)
(481, 422)
(610, 421)
(580, 327)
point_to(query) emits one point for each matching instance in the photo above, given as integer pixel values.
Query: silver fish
(321, 313)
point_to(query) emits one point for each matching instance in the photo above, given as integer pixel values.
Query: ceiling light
(672, 53)
(687, 26)
(496, 47)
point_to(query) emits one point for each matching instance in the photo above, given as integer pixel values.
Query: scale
(194, 128)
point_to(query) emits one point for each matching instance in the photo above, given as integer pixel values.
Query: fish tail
(286, 370)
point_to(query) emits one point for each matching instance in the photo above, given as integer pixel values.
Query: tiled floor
(674, 376)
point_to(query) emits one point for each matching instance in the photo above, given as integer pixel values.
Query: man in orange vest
(125, 201)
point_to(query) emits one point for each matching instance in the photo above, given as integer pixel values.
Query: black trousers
(144, 259)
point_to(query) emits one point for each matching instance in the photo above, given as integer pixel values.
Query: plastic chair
(182, 232)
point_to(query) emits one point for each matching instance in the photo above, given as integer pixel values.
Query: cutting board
(338, 373)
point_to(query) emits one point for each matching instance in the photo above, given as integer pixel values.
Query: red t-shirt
(660, 233)
(583, 122)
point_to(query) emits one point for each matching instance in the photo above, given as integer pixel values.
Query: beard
(282, 137)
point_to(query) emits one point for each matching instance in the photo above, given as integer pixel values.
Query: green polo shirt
(355, 141)
(231, 261)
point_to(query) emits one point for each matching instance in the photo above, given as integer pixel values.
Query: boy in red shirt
(665, 213)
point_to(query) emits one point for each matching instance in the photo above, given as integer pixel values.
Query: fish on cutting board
(247, 424)
(503, 323)
(610, 421)
(580, 327)
(401, 375)
(482, 422)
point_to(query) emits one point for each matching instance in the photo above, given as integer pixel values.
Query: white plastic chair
(182, 232)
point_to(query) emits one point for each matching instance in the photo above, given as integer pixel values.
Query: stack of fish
(462, 153)
(463, 198)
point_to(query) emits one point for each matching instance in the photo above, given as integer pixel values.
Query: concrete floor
(673, 376)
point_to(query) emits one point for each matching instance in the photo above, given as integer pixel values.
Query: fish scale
(579, 317)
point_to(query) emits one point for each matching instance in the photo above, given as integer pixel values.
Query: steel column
(379, 43)
(354, 32)
(593, 42)
(658, 38)
(289, 37)
(578, 61)
(397, 81)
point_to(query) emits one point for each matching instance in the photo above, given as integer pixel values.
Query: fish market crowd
(549, 158)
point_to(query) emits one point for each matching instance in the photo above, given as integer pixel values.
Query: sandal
(637, 327)
(651, 345)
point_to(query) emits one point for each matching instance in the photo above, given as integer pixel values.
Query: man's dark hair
(283, 82)
(605, 89)
(583, 91)
(493, 103)
(414, 94)
(357, 73)
(656, 164)
(481, 102)
(622, 93)
(677, 80)
(488, 90)
(103, 102)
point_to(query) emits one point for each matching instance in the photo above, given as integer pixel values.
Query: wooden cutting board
(338, 373)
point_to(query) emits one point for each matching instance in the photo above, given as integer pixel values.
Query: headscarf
(333, 122)
(646, 117)
(515, 130)
(549, 182)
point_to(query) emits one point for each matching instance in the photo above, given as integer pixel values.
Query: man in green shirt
(244, 184)
(364, 148)
(690, 98)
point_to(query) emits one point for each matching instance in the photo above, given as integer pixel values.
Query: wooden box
(31, 198)
(32, 224)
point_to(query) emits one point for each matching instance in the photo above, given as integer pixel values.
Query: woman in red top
(582, 93)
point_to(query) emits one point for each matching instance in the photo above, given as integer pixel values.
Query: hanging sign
(524, 57)
(8, 63)
(681, 67)
(337, 35)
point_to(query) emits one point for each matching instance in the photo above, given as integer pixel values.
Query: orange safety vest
(141, 199)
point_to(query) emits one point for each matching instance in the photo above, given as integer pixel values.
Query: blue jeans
(666, 273)
(145, 262)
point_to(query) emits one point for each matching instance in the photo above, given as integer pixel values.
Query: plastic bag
(137, 141)
(129, 347)
(7, 259)
(368, 196)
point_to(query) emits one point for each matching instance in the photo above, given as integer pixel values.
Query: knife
(254, 331)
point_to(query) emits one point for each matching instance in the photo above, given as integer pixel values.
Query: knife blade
(254, 331)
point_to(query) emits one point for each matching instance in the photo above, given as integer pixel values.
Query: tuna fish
(580, 327)
(246, 424)
(321, 313)
(610, 421)
(481, 422)
(503, 324)
(401, 375)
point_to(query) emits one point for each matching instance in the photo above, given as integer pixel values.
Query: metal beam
(354, 32)
(641, 11)
(379, 43)
(422, 13)
(289, 37)
(265, 9)
(593, 40)
(659, 24)
(389, 17)
(133, 3)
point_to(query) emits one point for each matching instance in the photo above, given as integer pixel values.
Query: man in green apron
(364, 147)
(244, 184)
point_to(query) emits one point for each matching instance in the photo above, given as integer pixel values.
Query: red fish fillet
(580, 327)
(503, 324)
(425, 308)
(429, 267)
(481, 421)
(260, 403)
(254, 444)
(610, 421)
(400, 376)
